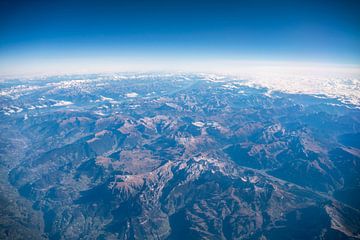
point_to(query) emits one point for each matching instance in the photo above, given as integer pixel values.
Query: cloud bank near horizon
(51, 66)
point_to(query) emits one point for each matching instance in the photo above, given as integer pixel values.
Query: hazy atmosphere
(39, 36)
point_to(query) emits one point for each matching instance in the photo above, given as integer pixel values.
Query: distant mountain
(175, 156)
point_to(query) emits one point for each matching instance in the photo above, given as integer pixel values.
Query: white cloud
(131, 95)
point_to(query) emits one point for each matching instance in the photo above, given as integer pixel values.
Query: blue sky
(314, 31)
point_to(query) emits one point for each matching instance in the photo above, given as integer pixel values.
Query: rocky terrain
(175, 156)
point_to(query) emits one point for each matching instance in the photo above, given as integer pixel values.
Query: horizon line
(87, 65)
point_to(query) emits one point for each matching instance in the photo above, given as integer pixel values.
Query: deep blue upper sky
(245, 29)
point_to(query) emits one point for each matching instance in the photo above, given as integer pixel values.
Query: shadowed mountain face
(175, 157)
